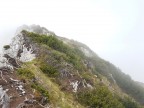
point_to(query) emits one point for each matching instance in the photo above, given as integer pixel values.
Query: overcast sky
(114, 29)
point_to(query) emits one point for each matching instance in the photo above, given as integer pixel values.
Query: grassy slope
(57, 97)
(73, 56)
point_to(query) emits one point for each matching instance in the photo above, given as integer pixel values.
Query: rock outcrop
(19, 50)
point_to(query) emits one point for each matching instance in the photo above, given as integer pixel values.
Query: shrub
(129, 103)
(98, 98)
(6, 47)
(49, 70)
(56, 44)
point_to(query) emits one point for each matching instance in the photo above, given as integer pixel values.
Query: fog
(114, 29)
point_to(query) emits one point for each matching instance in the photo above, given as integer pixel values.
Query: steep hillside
(42, 70)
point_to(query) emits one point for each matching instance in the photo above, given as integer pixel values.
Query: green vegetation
(49, 70)
(48, 88)
(42, 90)
(129, 103)
(129, 86)
(56, 44)
(56, 56)
(101, 97)
(98, 98)
(59, 56)
(122, 80)
(25, 73)
(6, 47)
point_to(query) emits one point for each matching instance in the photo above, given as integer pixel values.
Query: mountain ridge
(45, 70)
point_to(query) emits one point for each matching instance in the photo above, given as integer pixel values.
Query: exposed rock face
(75, 86)
(19, 50)
(4, 62)
(20, 47)
(4, 98)
(27, 55)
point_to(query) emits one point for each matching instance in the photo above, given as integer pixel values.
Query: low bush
(98, 98)
(6, 47)
(49, 70)
(72, 55)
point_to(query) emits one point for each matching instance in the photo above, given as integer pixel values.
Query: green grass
(56, 96)
(25, 72)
